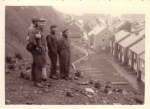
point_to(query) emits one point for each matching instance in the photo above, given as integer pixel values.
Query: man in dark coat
(34, 37)
(43, 48)
(52, 51)
(64, 55)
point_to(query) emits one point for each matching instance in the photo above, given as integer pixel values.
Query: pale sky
(113, 8)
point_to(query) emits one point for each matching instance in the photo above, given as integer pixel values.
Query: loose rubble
(80, 90)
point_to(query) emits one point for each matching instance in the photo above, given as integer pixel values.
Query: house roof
(129, 40)
(138, 47)
(93, 30)
(142, 33)
(142, 56)
(78, 25)
(121, 34)
(92, 23)
(80, 21)
(120, 24)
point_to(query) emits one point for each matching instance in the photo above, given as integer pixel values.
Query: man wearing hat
(64, 55)
(34, 37)
(43, 47)
(52, 51)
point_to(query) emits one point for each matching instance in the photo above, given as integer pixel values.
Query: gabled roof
(142, 56)
(121, 34)
(138, 47)
(92, 31)
(120, 24)
(80, 21)
(92, 23)
(98, 29)
(142, 33)
(78, 25)
(129, 40)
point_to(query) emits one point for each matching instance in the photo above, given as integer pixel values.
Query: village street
(103, 67)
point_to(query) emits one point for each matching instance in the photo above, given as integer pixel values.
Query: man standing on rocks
(52, 51)
(64, 55)
(43, 46)
(34, 37)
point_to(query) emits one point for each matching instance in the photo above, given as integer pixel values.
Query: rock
(89, 90)
(104, 102)
(29, 102)
(107, 101)
(119, 90)
(7, 71)
(21, 67)
(69, 94)
(108, 86)
(115, 89)
(89, 96)
(26, 75)
(116, 98)
(91, 82)
(76, 78)
(124, 92)
(39, 92)
(109, 92)
(35, 91)
(7, 101)
(97, 85)
(139, 100)
(79, 73)
(106, 90)
(83, 83)
(46, 90)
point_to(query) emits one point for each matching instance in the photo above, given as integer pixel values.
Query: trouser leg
(68, 67)
(37, 68)
(32, 72)
(44, 62)
(62, 66)
(53, 58)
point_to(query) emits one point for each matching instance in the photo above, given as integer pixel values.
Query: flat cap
(65, 30)
(35, 19)
(42, 20)
(53, 26)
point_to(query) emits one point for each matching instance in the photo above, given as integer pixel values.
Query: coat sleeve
(31, 34)
(49, 44)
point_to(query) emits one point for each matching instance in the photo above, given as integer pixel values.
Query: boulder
(97, 85)
(69, 94)
(89, 90)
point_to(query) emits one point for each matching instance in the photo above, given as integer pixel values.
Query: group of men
(56, 47)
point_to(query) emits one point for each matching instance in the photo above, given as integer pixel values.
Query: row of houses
(122, 43)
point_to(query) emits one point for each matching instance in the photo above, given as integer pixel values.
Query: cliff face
(18, 19)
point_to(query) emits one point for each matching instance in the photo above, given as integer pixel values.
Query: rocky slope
(18, 19)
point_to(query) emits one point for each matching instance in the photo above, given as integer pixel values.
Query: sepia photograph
(55, 55)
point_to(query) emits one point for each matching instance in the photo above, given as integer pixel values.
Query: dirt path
(100, 68)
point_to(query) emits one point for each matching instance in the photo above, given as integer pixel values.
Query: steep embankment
(18, 19)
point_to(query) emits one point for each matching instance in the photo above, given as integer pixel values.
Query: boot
(44, 74)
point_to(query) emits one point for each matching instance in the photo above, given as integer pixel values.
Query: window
(105, 34)
(143, 64)
(110, 43)
(122, 49)
(103, 41)
(134, 56)
(103, 47)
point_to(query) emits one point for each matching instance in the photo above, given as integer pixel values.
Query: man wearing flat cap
(33, 46)
(43, 47)
(64, 55)
(52, 51)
